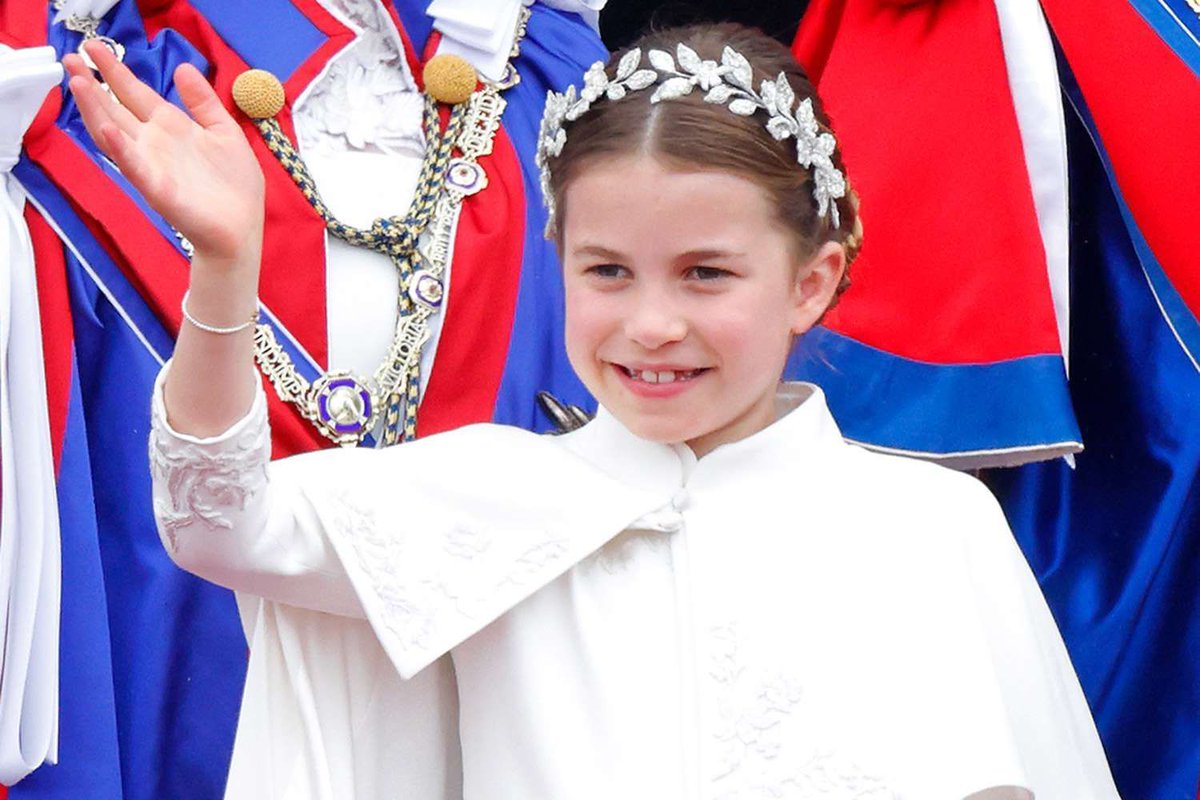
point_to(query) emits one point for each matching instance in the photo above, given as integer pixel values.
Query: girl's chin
(655, 428)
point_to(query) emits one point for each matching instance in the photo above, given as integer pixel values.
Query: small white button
(681, 500)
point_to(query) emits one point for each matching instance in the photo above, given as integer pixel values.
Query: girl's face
(682, 298)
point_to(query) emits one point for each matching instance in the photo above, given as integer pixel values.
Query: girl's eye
(708, 273)
(608, 271)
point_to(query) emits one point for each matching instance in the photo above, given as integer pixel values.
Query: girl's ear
(816, 285)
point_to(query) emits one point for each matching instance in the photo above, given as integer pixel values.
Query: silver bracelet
(213, 328)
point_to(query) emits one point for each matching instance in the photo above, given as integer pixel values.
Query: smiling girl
(704, 592)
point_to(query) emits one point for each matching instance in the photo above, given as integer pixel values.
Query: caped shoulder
(919, 494)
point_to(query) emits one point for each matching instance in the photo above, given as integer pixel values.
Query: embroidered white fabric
(366, 99)
(460, 577)
(753, 704)
(630, 648)
(205, 481)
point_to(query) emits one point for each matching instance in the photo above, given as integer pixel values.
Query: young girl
(702, 593)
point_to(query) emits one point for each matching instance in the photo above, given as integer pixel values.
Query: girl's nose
(654, 322)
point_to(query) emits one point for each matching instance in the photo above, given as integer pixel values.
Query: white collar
(802, 433)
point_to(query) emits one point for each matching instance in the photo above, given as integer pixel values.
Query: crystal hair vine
(729, 82)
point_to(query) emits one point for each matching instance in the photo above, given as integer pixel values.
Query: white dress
(788, 617)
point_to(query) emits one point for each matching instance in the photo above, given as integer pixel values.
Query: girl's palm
(198, 172)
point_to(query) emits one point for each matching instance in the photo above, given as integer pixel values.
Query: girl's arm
(218, 514)
(225, 512)
(199, 172)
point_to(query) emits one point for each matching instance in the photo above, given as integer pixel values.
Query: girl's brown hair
(691, 134)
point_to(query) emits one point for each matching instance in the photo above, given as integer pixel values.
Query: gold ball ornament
(449, 79)
(258, 93)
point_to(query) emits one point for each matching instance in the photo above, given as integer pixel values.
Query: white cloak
(494, 614)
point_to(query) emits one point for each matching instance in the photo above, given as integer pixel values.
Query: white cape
(601, 616)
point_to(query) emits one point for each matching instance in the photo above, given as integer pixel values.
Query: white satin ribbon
(1033, 80)
(30, 560)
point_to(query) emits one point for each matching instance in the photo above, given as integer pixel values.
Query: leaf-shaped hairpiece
(672, 89)
(661, 60)
(628, 63)
(729, 82)
(740, 73)
(689, 61)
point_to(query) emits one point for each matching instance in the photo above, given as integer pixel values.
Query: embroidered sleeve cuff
(206, 481)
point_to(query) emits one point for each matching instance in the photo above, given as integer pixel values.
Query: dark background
(622, 21)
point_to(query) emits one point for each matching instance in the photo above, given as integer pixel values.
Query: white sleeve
(225, 514)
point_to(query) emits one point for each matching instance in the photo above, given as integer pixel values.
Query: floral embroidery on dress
(430, 580)
(204, 483)
(756, 759)
(623, 549)
(408, 608)
(366, 99)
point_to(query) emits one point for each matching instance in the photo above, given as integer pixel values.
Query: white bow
(30, 562)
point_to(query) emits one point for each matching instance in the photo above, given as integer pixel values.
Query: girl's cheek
(581, 317)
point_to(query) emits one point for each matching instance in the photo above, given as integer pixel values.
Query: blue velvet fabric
(1115, 542)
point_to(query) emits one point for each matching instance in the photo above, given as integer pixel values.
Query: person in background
(137, 697)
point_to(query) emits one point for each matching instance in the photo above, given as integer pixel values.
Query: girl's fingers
(95, 103)
(201, 101)
(136, 96)
(132, 164)
(117, 145)
(102, 118)
(75, 66)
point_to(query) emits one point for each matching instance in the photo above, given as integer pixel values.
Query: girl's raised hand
(198, 172)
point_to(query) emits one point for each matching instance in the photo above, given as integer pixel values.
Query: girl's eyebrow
(706, 253)
(700, 254)
(598, 251)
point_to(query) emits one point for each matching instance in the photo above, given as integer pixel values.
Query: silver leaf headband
(727, 83)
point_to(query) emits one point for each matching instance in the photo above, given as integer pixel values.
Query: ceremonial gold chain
(342, 406)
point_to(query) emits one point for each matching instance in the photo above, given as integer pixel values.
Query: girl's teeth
(652, 376)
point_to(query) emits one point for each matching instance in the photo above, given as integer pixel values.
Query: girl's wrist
(224, 291)
(230, 252)
(231, 248)
(226, 263)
